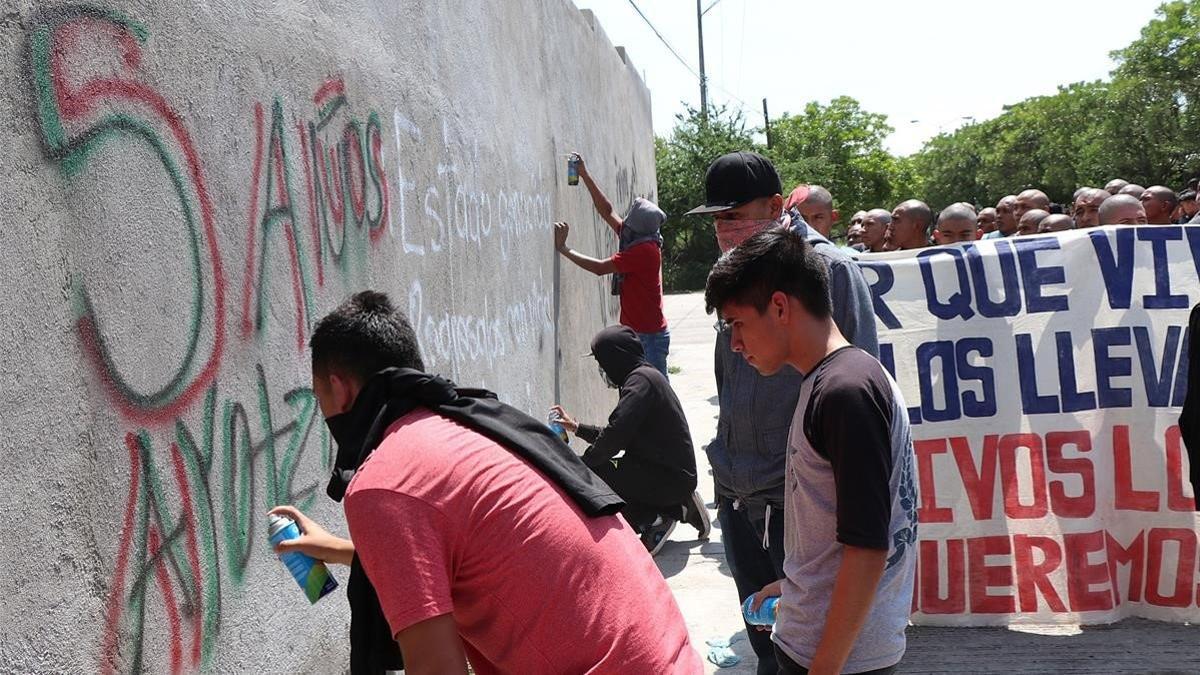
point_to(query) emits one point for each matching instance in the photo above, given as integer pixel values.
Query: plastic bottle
(765, 616)
(555, 424)
(572, 170)
(312, 574)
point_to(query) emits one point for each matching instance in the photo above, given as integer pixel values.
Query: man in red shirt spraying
(636, 266)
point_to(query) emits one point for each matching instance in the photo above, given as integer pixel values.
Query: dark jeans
(657, 346)
(752, 564)
(648, 490)
(789, 667)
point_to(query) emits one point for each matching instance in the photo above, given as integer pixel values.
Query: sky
(929, 65)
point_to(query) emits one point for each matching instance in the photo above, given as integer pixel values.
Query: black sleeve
(624, 422)
(849, 422)
(719, 349)
(588, 432)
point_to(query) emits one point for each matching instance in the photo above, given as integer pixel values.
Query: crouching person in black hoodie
(656, 475)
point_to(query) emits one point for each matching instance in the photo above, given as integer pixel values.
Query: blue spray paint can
(765, 616)
(555, 424)
(572, 169)
(312, 574)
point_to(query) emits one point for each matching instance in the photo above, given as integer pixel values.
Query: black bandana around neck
(393, 393)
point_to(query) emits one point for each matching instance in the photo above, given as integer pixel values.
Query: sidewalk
(697, 573)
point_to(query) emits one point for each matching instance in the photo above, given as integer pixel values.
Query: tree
(1141, 126)
(689, 243)
(838, 146)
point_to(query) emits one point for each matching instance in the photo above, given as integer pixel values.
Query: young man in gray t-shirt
(850, 526)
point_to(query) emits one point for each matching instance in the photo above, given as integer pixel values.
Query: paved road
(699, 576)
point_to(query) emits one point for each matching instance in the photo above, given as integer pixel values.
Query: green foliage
(838, 146)
(689, 243)
(1140, 126)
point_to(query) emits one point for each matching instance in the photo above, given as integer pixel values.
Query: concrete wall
(187, 187)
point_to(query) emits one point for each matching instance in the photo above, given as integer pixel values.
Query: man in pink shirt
(478, 550)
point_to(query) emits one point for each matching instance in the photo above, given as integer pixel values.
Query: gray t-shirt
(849, 481)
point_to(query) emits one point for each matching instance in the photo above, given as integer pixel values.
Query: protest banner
(1044, 377)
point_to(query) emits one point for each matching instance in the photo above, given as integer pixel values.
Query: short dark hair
(777, 259)
(363, 336)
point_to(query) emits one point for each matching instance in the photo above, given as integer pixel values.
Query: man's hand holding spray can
(560, 423)
(310, 573)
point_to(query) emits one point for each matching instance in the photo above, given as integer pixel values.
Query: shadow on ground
(1129, 646)
(675, 555)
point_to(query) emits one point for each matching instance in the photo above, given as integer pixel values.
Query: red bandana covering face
(730, 233)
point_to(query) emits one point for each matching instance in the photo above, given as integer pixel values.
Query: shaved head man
(1087, 207)
(817, 209)
(1114, 186)
(1122, 210)
(911, 222)
(875, 226)
(985, 222)
(1159, 203)
(956, 224)
(1029, 222)
(1133, 190)
(1006, 221)
(857, 218)
(1055, 222)
(854, 234)
(1028, 200)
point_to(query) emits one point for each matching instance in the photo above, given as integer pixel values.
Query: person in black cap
(744, 196)
(657, 474)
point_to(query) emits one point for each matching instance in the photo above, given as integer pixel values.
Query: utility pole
(767, 123)
(703, 79)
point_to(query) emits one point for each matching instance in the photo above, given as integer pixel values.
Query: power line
(664, 40)
(681, 60)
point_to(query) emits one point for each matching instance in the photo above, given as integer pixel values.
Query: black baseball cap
(737, 178)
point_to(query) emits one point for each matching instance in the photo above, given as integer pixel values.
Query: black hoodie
(648, 422)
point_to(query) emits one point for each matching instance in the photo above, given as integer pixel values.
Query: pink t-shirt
(445, 520)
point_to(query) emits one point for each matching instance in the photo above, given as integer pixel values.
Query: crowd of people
(477, 535)
(913, 224)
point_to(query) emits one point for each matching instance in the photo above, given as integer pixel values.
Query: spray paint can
(312, 574)
(572, 169)
(555, 424)
(765, 616)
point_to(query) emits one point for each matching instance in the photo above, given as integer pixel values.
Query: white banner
(1044, 377)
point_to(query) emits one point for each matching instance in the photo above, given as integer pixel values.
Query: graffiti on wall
(455, 215)
(84, 111)
(211, 434)
(203, 461)
(171, 543)
(344, 187)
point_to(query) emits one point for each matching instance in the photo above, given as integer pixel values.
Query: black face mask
(341, 428)
(347, 435)
(608, 380)
(349, 438)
